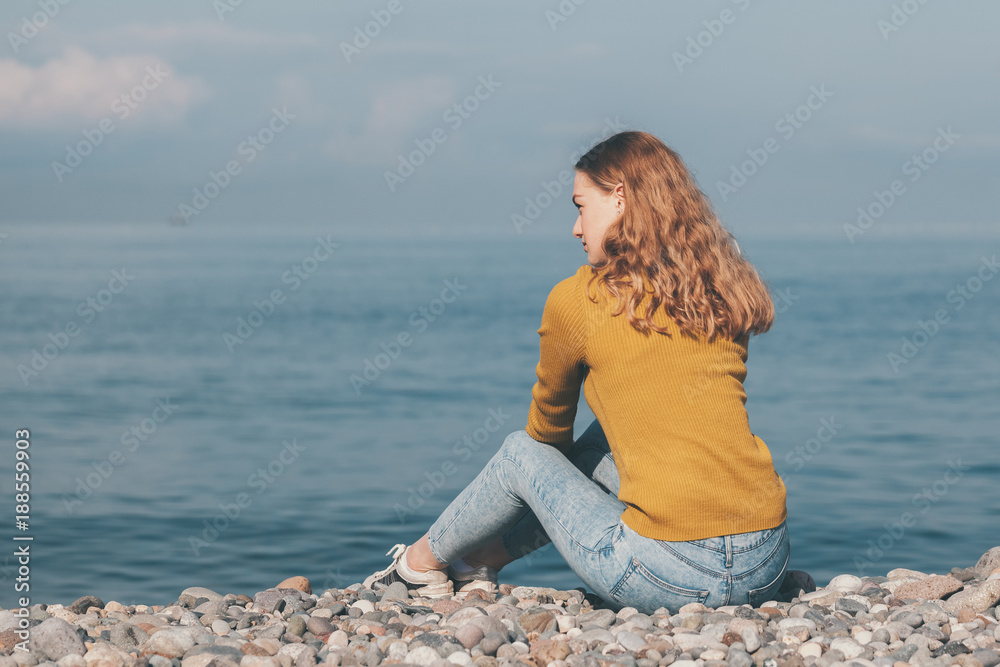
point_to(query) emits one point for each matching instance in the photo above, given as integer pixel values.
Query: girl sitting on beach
(668, 497)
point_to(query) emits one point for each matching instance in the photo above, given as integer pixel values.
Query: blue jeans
(530, 493)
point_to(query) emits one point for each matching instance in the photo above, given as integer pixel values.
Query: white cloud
(399, 113)
(78, 87)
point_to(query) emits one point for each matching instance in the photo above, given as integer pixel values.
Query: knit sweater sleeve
(561, 367)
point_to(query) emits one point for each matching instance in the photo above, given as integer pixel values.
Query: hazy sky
(122, 111)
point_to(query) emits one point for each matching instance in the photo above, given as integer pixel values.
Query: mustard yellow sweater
(672, 408)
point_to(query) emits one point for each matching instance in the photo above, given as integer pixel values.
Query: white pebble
(811, 650)
(959, 633)
(460, 658)
(337, 638)
(819, 594)
(625, 612)
(631, 641)
(364, 605)
(751, 640)
(795, 623)
(566, 622)
(793, 636)
(712, 654)
(72, 660)
(423, 655)
(520, 647)
(850, 648)
(845, 583)
(863, 636)
(220, 627)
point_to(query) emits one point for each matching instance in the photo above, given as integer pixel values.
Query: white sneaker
(482, 578)
(430, 584)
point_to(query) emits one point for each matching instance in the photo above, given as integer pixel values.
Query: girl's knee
(516, 439)
(519, 442)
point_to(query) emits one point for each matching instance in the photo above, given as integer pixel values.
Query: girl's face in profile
(596, 213)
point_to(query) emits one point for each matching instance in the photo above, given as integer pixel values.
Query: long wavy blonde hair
(670, 245)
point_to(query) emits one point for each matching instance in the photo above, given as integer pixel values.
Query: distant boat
(178, 220)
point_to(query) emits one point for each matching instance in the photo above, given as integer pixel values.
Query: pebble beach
(903, 618)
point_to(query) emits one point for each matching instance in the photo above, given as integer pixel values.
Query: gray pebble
(835, 627)
(189, 596)
(318, 625)
(229, 652)
(641, 620)
(986, 656)
(54, 638)
(81, 605)
(850, 606)
(297, 625)
(127, 637)
(739, 658)
(751, 640)
(630, 641)
(396, 591)
(601, 617)
(904, 653)
(469, 634)
(491, 642)
(912, 619)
